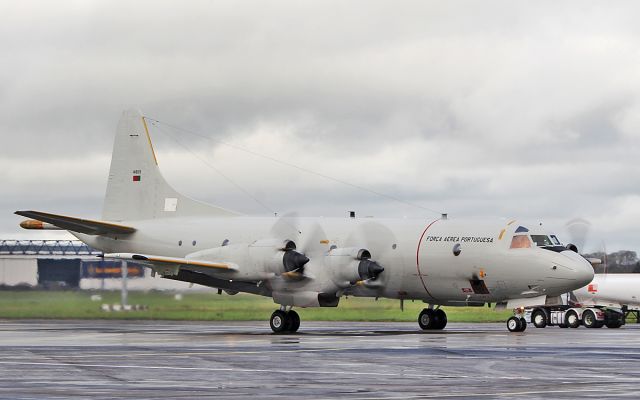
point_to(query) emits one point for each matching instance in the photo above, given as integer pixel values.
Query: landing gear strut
(432, 319)
(284, 321)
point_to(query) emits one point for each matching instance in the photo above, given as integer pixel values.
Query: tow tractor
(566, 316)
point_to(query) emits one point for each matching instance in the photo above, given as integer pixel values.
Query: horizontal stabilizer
(86, 226)
(160, 261)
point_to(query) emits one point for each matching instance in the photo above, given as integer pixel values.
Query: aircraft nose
(582, 270)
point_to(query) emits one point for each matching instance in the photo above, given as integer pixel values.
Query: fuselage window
(542, 240)
(520, 242)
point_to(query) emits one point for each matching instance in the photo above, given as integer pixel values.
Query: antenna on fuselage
(156, 123)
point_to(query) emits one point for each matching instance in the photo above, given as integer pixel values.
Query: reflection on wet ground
(133, 359)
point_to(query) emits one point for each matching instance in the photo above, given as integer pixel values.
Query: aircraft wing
(87, 226)
(162, 262)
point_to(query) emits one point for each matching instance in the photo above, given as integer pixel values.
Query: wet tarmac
(180, 360)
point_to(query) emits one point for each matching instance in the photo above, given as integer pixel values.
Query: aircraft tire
(440, 319)
(523, 324)
(513, 324)
(293, 321)
(426, 319)
(279, 321)
(572, 320)
(539, 319)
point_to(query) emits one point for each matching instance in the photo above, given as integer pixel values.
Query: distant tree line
(624, 261)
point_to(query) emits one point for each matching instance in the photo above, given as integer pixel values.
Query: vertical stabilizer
(136, 189)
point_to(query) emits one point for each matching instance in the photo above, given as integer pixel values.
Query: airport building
(71, 264)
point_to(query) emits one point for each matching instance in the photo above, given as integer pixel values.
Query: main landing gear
(430, 319)
(283, 321)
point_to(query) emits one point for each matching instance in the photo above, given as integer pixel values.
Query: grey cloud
(492, 108)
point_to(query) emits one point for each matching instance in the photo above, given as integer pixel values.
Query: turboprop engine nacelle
(262, 259)
(350, 265)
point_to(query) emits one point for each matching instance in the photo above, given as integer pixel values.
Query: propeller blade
(373, 236)
(314, 241)
(309, 242)
(287, 227)
(379, 240)
(578, 230)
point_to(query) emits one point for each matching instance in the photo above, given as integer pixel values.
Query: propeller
(604, 253)
(578, 230)
(379, 240)
(311, 241)
(306, 242)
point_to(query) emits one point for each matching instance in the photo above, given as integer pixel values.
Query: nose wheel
(430, 319)
(516, 324)
(284, 321)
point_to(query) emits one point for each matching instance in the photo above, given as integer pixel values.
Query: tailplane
(136, 189)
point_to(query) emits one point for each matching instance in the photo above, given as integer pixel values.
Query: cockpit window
(542, 240)
(520, 242)
(550, 242)
(522, 229)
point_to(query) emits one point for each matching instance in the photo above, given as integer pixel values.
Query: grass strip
(209, 306)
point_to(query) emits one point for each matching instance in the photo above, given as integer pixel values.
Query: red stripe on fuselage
(424, 285)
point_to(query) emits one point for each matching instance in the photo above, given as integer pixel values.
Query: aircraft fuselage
(443, 261)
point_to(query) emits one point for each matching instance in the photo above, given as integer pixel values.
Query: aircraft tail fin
(136, 189)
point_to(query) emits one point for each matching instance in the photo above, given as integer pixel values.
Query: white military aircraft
(312, 262)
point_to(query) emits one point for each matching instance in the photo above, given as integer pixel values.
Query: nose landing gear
(430, 319)
(516, 324)
(283, 321)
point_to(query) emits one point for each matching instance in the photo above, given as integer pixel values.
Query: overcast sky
(494, 109)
